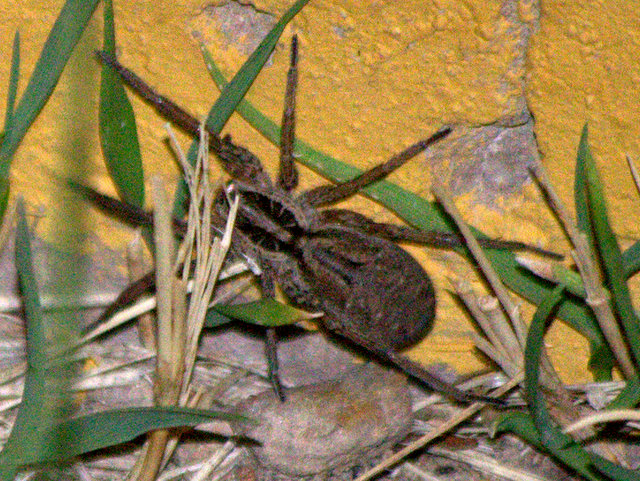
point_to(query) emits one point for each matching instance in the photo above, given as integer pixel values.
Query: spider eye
(274, 209)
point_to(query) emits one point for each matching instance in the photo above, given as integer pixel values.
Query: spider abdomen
(368, 287)
(392, 299)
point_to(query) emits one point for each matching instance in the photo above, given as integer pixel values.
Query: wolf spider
(371, 291)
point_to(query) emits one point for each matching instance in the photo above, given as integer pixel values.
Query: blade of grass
(631, 258)
(234, 91)
(111, 428)
(14, 76)
(425, 215)
(118, 132)
(46, 400)
(594, 221)
(613, 471)
(265, 312)
(8, 121)
(580, 188)
(557, 274)
(34, 416)
(522, 425)
(62, 39)
(597, 298)
(237, 88)
(214, 319)
(549, 435)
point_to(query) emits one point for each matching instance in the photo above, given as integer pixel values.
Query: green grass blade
(595, 217)
(36, 336)
(519, 423)
(118, 132)
(33, 415)
(214, 319)
(613, 471)
(570, 279)
(425, 215)
(551, 437)
(56, 51)
(631, 259)
(522, 425)
(549, 434)
(571, 309)
(8, 118)
(110, 428)
(25, 438)
(601, 362)
(580, 187)
(265, 312)
(234, 91)
(14, 76)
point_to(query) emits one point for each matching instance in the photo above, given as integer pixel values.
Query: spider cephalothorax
(340, 262)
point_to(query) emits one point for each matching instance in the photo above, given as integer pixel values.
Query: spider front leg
(328, 194)
(287, 173)
(237, 161)
(287, 180)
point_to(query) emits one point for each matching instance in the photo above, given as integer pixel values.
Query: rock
(333, 425)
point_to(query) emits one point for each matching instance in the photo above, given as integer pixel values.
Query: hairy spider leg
(237, 161)
(327, 194)
(287, 172)
(122, 210)
(267, 286)
(438, 239)
(415, 370)
(287, 180)
(136, 216)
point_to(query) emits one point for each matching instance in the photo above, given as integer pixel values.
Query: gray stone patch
(492, 161)
(243, 25)
(332, 425)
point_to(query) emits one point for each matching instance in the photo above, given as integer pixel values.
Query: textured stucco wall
(376, 76)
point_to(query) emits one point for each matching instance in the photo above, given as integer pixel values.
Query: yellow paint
(375, 76)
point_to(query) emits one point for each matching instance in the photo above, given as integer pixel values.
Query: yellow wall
(376, 76)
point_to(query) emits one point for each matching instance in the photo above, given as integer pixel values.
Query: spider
(372, 292)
